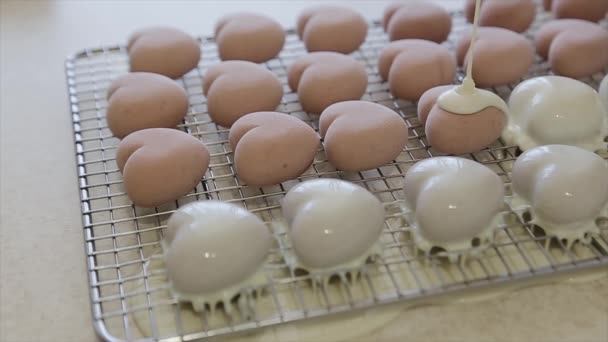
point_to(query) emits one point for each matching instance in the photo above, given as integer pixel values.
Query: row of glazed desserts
(215, 250)
(546, 184)
(540, 111)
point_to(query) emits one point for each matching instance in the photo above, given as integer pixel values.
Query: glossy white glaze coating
(466, 98)
(565, 188)
(332, 223)
(450, 201)
(556, 110)
(603, 91)
(213, 250)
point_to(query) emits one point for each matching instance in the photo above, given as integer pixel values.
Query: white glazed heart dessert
(213, 251)
(450, 202)
(564, 188)
(556, 110)
(333, 225)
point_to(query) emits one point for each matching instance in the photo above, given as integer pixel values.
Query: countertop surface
(43, 284)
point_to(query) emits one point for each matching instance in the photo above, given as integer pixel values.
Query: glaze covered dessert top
(556, 110)
(451, 201)
(565, 189)
(332, 223)
(213, 250)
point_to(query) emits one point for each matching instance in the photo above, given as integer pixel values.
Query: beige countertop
(43, 284)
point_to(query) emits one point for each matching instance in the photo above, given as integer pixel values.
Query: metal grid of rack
(129, 293)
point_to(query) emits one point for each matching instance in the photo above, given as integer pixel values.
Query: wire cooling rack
(129, 294)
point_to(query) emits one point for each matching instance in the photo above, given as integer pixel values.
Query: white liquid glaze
(333, 224)
(213, 250)
(461, 100)
(466, 98)
(556, 110)
(565, 188)
(356, 325)
(603, 91)
(449, 201)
